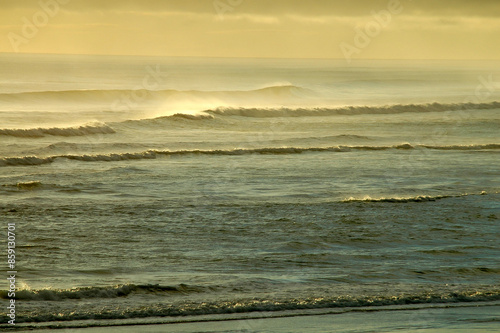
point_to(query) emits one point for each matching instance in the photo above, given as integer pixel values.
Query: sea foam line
(224, 317)
(262, 305)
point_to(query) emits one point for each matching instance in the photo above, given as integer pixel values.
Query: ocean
(148, 189)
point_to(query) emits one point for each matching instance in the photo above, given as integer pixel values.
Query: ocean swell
(350, 110)
(419, 198)
(113, 95)
(152, 154)
(58, 131)
(100, 292)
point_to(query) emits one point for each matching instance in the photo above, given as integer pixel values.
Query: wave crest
(100, 292)
(29, 185)
(152, 154)
(58, 131)
(419, 198)
(342, 303)
(351, 110)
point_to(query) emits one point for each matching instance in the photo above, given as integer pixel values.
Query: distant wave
(58, 131)
(255, 304)
(29, 185)
(32, 186)
(463, 147)
(189, 116)
(350, 110)
(174, 117)
(152, 154)
(420, 198)
(24, 161)
(344, 136)
(280, 91)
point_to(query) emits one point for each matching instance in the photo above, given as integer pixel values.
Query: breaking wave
(420, 198)
(34, 185)
(153, 154)
(29, 185)
(351, 110)
(174, 117)
(101, 292)
(342, 303)
(58, 131)
(492, 146)
(189, 116)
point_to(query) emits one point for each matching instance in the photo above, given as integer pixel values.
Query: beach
(438, 319)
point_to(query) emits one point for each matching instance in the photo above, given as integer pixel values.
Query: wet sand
(428, 320)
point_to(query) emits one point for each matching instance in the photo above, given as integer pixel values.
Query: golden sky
(357, 29)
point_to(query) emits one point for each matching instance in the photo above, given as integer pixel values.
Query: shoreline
(473, 317)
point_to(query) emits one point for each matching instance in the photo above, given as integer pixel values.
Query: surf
(351, 110)
(58, 131)
(153, 154)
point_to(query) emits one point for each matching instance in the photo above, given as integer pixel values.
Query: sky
(350, 29)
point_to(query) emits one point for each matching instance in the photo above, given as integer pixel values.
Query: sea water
(151, 187)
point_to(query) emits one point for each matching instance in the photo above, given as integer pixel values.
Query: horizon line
(242, 57)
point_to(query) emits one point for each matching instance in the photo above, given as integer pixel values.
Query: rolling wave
(101, 292)
(58, 131)
(153, 154)
(280, 91)
(350, 110)
(492, 146)
(29, 185)
(174, 117)
(189, 116)
(255, 304)
(420, 198)
(34, 186)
